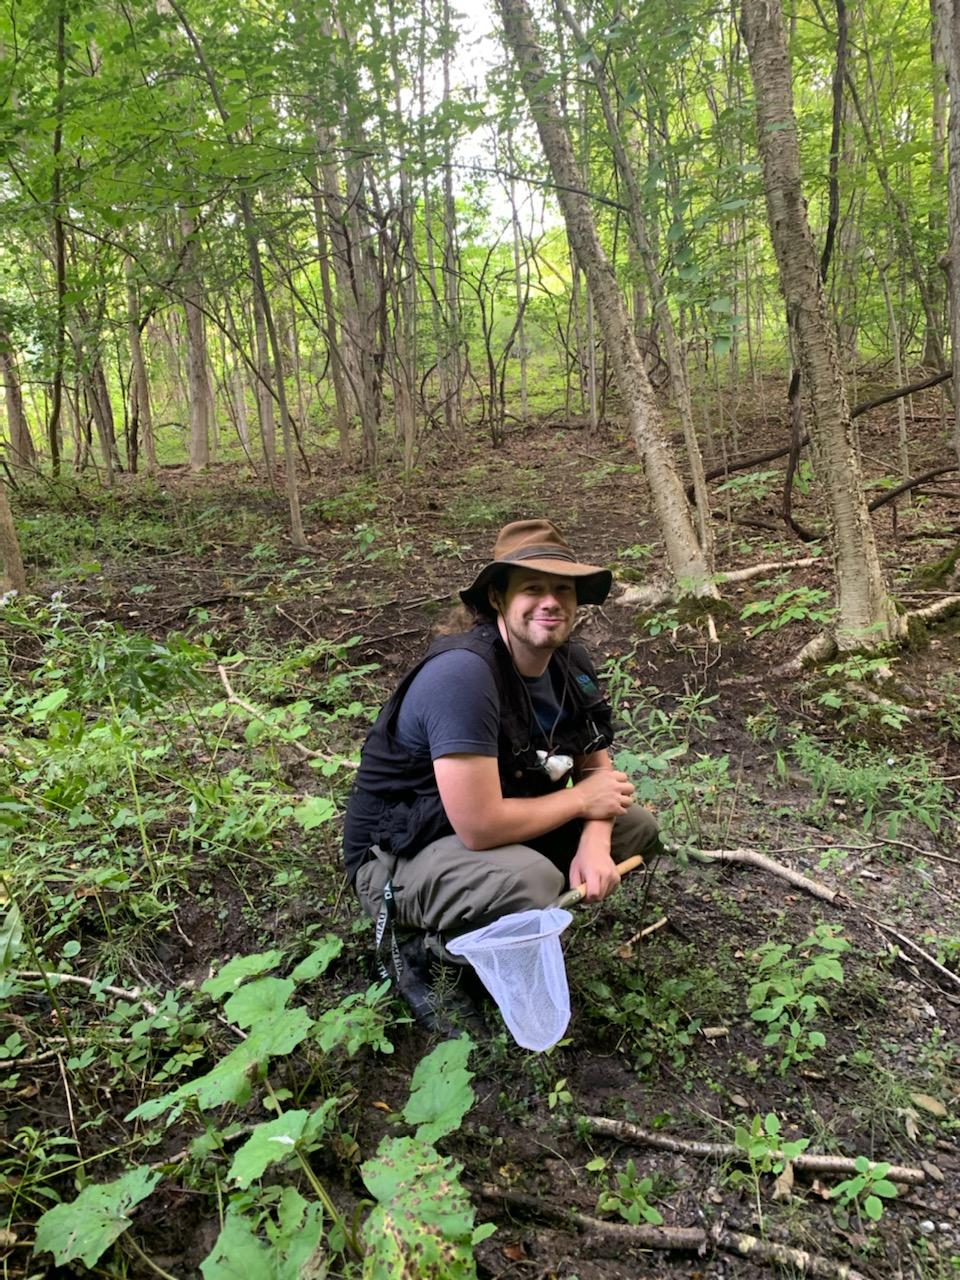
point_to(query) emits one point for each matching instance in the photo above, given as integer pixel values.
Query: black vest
(395, 802)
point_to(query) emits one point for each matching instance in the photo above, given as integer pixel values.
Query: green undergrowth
(176, 951)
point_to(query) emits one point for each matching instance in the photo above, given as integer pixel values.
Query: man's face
(538, 610)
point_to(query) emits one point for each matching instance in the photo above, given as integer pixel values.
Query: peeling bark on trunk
(684, 555)
(676, 360)
(867, 614)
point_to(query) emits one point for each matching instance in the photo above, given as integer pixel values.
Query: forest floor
(848, 774)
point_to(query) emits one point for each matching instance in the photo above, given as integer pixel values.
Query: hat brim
(592, 582)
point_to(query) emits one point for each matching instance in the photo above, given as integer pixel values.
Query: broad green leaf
(11, 937)
(230, 1079)
(423, 1222)
(258, 1000)
(314, 812)
(86, 1227)
(276, 1140)
(240, 1254)
(318, 960)
(440, 1091)
(236, 970)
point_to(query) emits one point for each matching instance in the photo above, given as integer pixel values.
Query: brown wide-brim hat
(539, 545)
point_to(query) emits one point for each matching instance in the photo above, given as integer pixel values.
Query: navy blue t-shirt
(452, 707)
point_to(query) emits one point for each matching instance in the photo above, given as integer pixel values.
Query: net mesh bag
(519, 960)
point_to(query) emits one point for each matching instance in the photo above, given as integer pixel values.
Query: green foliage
(84, 1229)
(629, 1198)
(649, 1016)
(293, 1238)
(883, 786)
(440, 1091)
(423, 1222)
(793, 604)
(788, 997)
(868, 1188)
(278, 1141)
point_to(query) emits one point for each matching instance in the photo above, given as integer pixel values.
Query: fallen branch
(626, 951)
(645, 1237)
(134, 994)
(939, 608)
(783, 1255)
(890, 494)
(867, 405)
(772, 566)
(808, 1161)
(307, 752)
(917, 950)
(752, 858)
(686, 1239)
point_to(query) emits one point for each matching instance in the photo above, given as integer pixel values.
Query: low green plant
(787, 996)
(866, 1190)
(794, 604)
(628, 1195)
(766, 1151)
(882, 786)
(649, 1016)
(420, 1217)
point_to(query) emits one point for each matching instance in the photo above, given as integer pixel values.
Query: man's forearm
(516, 819)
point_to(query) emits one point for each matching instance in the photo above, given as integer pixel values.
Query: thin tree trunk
(676, 361)
(341, 391)
(198, 392)
(684, 555)
(139, 381)
(59, 248)
(949, 29)
(22, 452)
(867, 614)
(13, 576)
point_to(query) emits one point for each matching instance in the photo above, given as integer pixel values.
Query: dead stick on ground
(307, 752)
(917, 950)
(754, 859)
(686, 1239)
(808, 1161)
(783, 1255)
(133, 994)
(689, 1238)
(642, 933)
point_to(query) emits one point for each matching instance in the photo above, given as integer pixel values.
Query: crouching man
(485, 785)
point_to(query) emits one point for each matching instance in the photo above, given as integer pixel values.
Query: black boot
(436, 993)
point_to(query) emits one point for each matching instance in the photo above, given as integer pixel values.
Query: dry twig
(754, 859)
(808, 1161)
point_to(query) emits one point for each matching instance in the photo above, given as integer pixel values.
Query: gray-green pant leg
(448, 889)
(633, 832)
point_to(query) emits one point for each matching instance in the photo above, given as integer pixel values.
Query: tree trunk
(12, 574)
(684, 555)
(22, 452)
(949, 30)
(139, 373)
(867, 614)
(198, 392)
(676, 360)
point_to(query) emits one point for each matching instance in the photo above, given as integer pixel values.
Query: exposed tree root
(807, 1161)
(686, 1239)
(755, 859)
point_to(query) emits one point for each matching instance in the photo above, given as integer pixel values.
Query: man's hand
(596, 871)
(604, 794)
